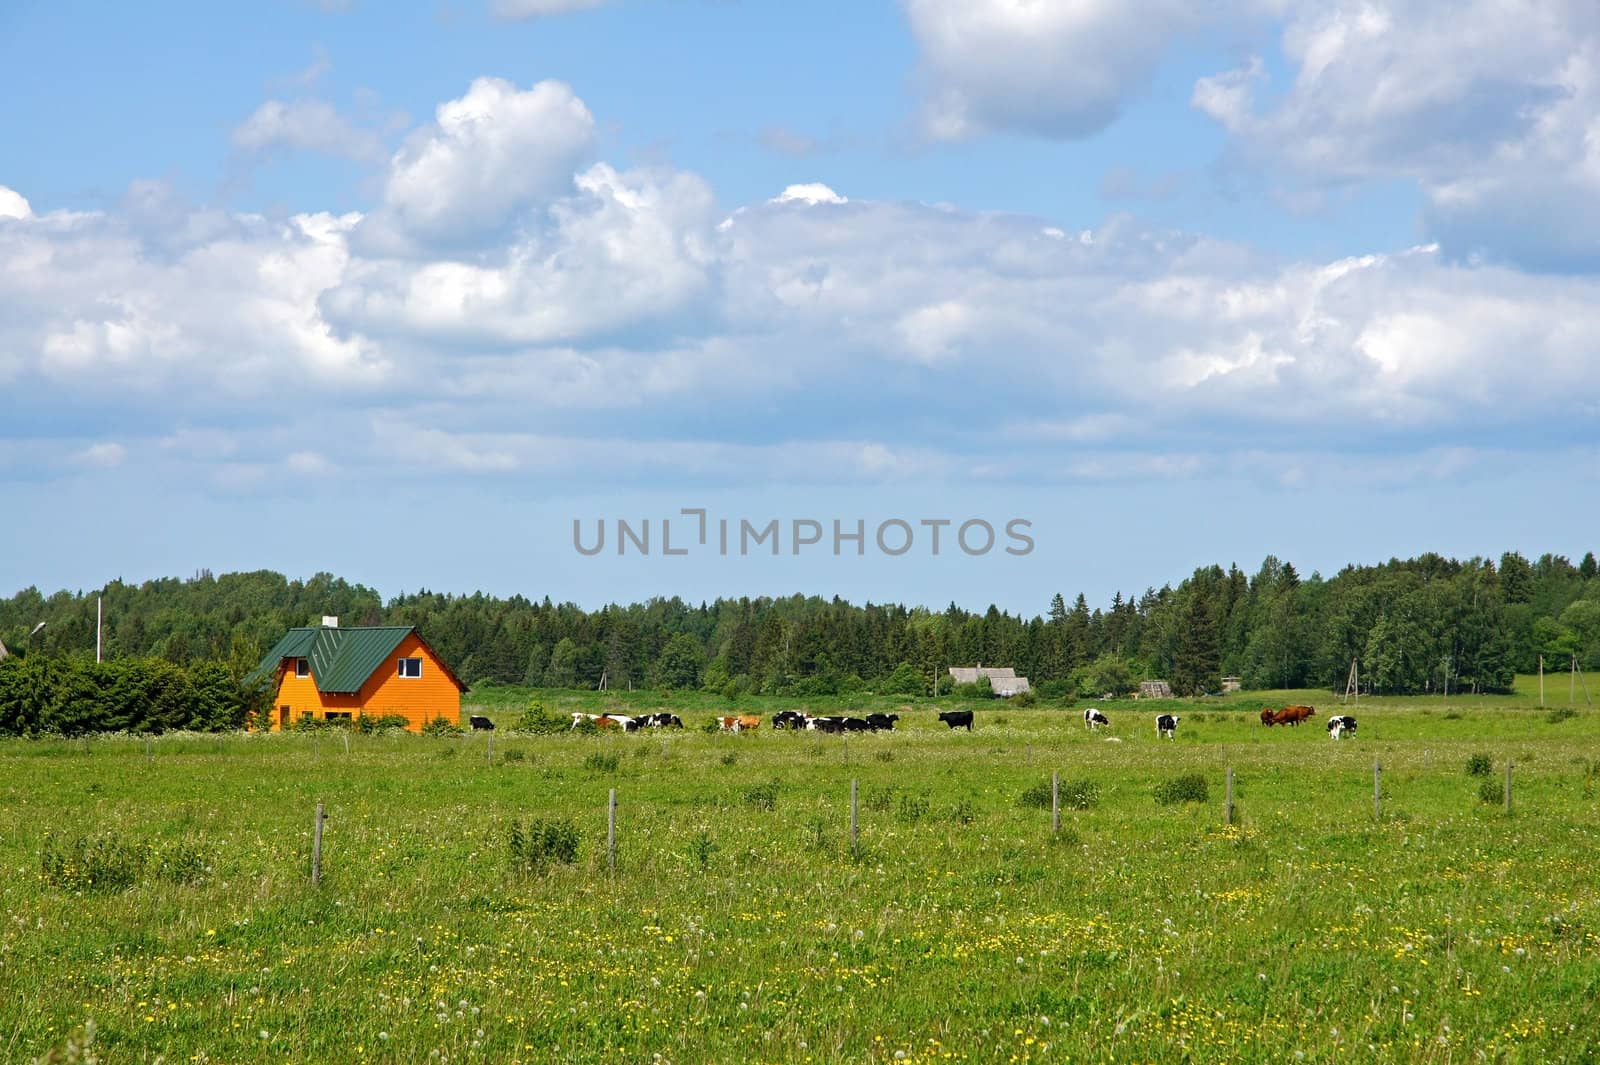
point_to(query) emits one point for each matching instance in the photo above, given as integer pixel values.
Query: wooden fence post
(1055, 804)
(611, 832)
(316, 848)
(853, 823)
(1377, 792)
(489, 752)
(1508, 787)
(1227, 806)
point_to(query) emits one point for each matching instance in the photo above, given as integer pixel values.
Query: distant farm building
(334, 674)
(1155, 689)
(1230, 684)
(3, 651)
(1003, 680)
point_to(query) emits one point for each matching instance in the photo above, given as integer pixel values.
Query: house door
(283, 718)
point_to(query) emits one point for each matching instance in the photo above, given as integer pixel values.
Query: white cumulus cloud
(488, 155)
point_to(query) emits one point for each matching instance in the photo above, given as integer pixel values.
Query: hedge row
(73, 697)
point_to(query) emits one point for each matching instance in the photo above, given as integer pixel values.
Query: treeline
(1415, 625)
(74, 696)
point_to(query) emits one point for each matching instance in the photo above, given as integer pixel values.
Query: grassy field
(740, 925)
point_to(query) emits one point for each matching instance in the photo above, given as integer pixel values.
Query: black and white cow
(1094, 718)
(479, 723)
(882, 721)
(957, 718)
(832, 723)
(1167, 725)
(790, 719)
(1339, 724)
(661, 719)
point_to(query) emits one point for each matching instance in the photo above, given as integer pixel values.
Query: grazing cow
(957, 718)
(480, 723)
(740, 722)
(660, 719)
(856, 724)
(827, 724)
(1339, 724)
(1167, 725)
(790, 719)
(1268, 715)
(1292, 715)
(1093, 718)
(882, 721)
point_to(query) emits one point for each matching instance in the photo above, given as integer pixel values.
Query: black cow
(856, 724)
(481, 722)
(882, 721)
(1094, 718)
(828, 724)
(790, 719)
(1167, 725)
(661, 719)
(957, 718)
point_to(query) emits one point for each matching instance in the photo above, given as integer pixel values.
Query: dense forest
(1414, 624)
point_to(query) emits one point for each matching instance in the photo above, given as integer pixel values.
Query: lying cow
(480, 723)
(1093, 718)
(607, 721)
(1167, 725)
(1339, 724)
(882, 721)
(957, 718)
(660, 719)
(1293, 715)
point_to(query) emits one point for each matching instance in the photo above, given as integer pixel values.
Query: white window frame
(410, 676)
(302, 667)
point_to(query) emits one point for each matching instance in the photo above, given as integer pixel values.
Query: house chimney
(330, 621)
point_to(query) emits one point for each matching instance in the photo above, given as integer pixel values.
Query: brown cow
(740, 722)
(1293, 715)
(1268, 715)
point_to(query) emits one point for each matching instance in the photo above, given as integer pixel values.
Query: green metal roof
(341, 659)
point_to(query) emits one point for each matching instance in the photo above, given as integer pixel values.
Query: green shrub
(964, 812)
(540, 721)
(99, 863)
(442, 726)
(181, 862)
(884, 756)
(514, 755)
(1491, 791)
(542, 843)
(1079, 794)
(602, 762)
(702, 847)
(1480, 765)
(1075, 795)
(1036, 797)
(1560, 714)
(730, 758)
(381, 722)
(1190, 787)
(1022, 699)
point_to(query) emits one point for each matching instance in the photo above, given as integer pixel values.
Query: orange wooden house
(342, 674)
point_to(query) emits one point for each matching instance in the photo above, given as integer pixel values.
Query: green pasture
(741, 925)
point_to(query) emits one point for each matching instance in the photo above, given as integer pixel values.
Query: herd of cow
(1166, 724)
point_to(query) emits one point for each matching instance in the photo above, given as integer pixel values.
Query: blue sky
(402, 290)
